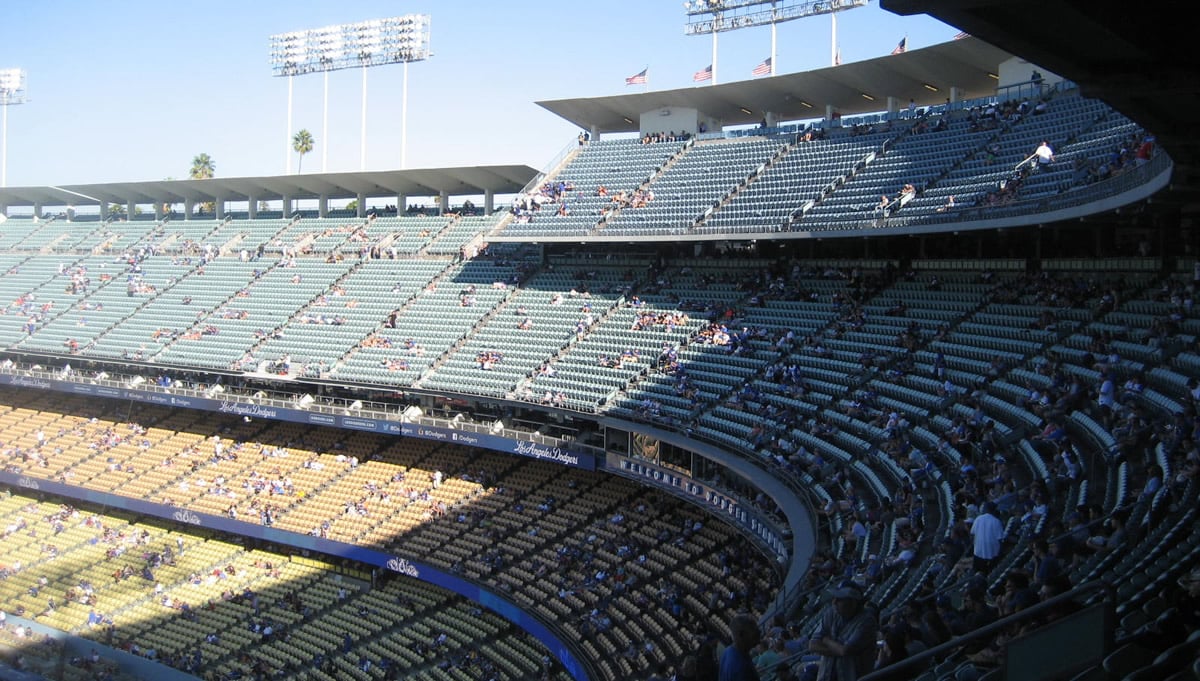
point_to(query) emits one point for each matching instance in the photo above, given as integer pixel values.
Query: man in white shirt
(1044, 154)
(987, 531)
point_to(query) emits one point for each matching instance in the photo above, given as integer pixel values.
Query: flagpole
(714, 59)
(833, 40)
(773, 60)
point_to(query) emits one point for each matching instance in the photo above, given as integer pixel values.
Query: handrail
(908, 667)
(905, 668)
(950, 588)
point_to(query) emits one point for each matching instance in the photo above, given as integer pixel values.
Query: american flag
(703, 74)
(763, 69)
(902, 46)
(638, 78)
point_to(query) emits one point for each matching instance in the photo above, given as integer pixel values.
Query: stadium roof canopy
(968, 64)
(427, 181)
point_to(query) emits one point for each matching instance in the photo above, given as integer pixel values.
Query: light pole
(716, 16)
(12, 91)
(376, 42)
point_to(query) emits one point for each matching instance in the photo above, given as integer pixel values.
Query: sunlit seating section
(793, 180)
(446, 311)
(97, 321)
(16, 229)
(1076, 127)
(31, 294)
(407, 235)
(463, 231)
(537, 323)
(913, 158)
(622, 343)
(88, 297)
(424, 500)
(333, 323)
(176, 307)
(205, 604)
(315, 235)
(234, 236)
(773, 183)
(616, 165)
(244, 301)
(186, 236)
(695, 182)
(53, 235)
(115, 238)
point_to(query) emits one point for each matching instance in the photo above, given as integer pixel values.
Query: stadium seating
(537, 518)
(207, 605)
(896, 395)
(962, 164)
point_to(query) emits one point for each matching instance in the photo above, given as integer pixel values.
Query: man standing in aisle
(987, 531)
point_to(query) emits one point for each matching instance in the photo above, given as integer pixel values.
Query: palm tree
(302, 142)
(202, 167)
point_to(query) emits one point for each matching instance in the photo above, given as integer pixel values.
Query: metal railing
(909, 667)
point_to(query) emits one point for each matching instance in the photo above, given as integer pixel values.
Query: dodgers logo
(404, 567)
(185, 516)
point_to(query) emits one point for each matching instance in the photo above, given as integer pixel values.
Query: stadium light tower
(717, 16)
(12, 91)
(376, 42)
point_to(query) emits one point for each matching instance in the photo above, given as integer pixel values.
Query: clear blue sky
(133, 89)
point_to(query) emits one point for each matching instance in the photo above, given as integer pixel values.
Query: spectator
(736, 663)
(846, 638)
(1044, 155)
(988, 531)
(770, 658)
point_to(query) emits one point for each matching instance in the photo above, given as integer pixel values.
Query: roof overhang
(969, 65)
(334, 186)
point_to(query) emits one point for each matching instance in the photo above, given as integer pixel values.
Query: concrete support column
(219, 208)
(594, 133)
(252, 207)
(362, 205)
(829, 111)
(954, 97)
(287, 207)
(188, 206)
(37, 210)
(489, 201)
(159, 213)
(771, 118)
(401, 203)
(443, 202)
(892, 105)
(130, 207)
(323, 206)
